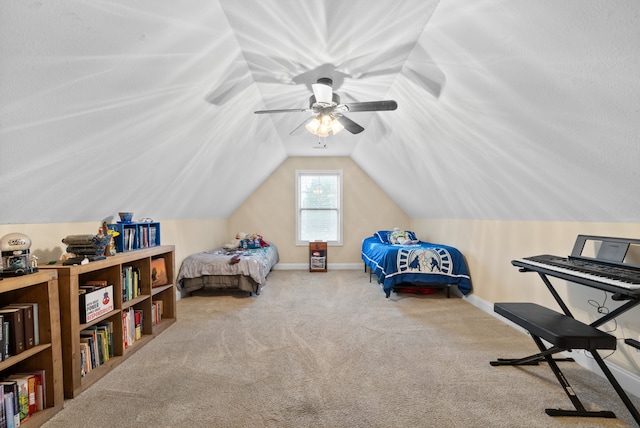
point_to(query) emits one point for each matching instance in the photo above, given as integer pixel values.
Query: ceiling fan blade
(322, 90)
(349, 124)
(284, 110)
(373, 106)
(298, 129)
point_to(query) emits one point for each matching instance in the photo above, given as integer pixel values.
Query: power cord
(602, 309)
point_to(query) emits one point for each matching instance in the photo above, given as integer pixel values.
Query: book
(85, 356)
(138, 323)
(33, 380)
(158, 272)
(159, 305)
(36, 323)
(16, 329)
(89, 337)
(6, 327)
(3, 416)
(125, 330)
(107, 326)
(23, 395)
(95, 304)
(99, 283)
(27, 322)
(9, 409)
(127, 283)
(41, 389)
(3, 338)
(10, 388)
(136, 282)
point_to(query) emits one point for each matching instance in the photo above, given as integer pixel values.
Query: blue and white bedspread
(423, 263)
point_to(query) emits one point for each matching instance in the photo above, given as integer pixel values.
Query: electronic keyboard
(616, 279)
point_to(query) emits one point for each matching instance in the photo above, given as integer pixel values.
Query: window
(319, 206)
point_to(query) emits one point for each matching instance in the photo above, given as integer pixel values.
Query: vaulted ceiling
(514, 110)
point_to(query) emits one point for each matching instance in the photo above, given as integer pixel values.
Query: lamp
(322, 124)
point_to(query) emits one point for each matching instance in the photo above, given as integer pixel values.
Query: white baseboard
(330, 266)
(630, 382)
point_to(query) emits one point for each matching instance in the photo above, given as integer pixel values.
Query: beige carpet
(329, 350)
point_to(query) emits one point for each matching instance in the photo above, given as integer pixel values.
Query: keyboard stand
(564, 333)
(546, 354)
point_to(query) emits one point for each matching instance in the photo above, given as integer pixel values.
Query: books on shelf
(11, 403)
(132, 326)
(15, 331)
(130, 283)
(23, 394)
(96, 346)
(157, 311)
(135, 236)
(19, 328)
(28, 322)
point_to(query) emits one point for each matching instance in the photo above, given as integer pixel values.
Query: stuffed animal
(258, 237)
(401, 237)
(236, 242)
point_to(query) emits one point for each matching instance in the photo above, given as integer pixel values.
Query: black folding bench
(564, 333)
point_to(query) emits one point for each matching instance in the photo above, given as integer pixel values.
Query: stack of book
(96, 346)
(20, 328)
(157, 310)
(132, 322)
(23, 394)
(130, 283)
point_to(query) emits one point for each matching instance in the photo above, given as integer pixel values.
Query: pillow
(383, 236)
(250, 243)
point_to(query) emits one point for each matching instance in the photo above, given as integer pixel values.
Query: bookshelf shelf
(41, 288)
(136, 236)
(111, 269)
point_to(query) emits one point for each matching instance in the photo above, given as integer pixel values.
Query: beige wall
(489, 247)
(270, 210)
(189, 236)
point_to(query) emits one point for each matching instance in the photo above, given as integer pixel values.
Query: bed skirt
(221, 282)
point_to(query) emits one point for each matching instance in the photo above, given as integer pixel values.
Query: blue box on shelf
(135, 236)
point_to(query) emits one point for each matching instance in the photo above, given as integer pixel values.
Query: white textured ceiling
(513, 110)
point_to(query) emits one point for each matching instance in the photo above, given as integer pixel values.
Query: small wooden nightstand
(317, 256)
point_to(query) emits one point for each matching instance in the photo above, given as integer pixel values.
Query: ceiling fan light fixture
(328, 112)
(336, 126)
(313, 125)
(324, 124)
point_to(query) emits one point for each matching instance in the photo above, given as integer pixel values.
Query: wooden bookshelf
(41, 288)
(111, 269)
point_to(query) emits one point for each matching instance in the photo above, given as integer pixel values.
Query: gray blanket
(253, 263)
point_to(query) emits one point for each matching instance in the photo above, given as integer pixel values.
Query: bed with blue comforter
(419, 263)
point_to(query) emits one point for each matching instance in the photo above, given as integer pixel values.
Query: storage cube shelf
(129, 307)
(136, 236)
(317, 256)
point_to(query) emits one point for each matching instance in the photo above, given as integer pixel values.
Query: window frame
(306, 173)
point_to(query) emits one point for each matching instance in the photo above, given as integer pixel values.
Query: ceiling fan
(327, 112)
